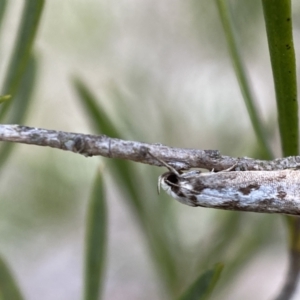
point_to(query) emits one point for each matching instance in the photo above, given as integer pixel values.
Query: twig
(179, 158)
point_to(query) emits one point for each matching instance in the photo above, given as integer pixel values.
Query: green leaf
(243, 80)
(203, 286)
(21, 54)
(24, 93)
(98, 118)
(4, 98)
(22, 101)
(96, 241)
(278, 19)
(8, 287)
(101, 122)
(126, 175)
(2, 9)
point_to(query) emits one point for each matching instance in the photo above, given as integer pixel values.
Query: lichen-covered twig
(102, 145)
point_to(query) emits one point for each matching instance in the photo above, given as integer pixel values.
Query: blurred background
(161, 72)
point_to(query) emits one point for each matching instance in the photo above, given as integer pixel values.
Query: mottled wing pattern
(260, 191)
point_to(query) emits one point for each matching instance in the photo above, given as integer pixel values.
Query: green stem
(280, 38)
(278, 21)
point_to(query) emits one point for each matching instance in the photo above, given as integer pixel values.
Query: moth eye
(172, 178)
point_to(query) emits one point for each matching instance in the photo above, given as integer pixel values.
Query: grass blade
(22, 101)
(102, 123)
(2, 9)
(203, 286)
(4, 98)
(24, 93)
(21, 54)
(96, 242)
(8, 286)
(127, 177)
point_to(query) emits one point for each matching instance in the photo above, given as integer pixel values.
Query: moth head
(175, 186)
(167, 180)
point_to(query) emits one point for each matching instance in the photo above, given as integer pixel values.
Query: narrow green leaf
(99, 120)
(4, 98)
(103, 124)
(230, 239)
(126, 174)
(21, 105)
(203, 286)
(24, 93)
(8, 286)
(27, 31)
(278, 20)
(243, 80)
(96, 242)
(2, 9)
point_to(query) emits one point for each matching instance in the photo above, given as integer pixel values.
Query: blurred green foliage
(53, 197)
(204, 285)
(96, 241)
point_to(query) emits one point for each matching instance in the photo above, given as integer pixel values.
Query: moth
(257, 191)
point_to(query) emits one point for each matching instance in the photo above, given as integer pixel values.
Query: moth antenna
(230, 168)
(170, 168)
